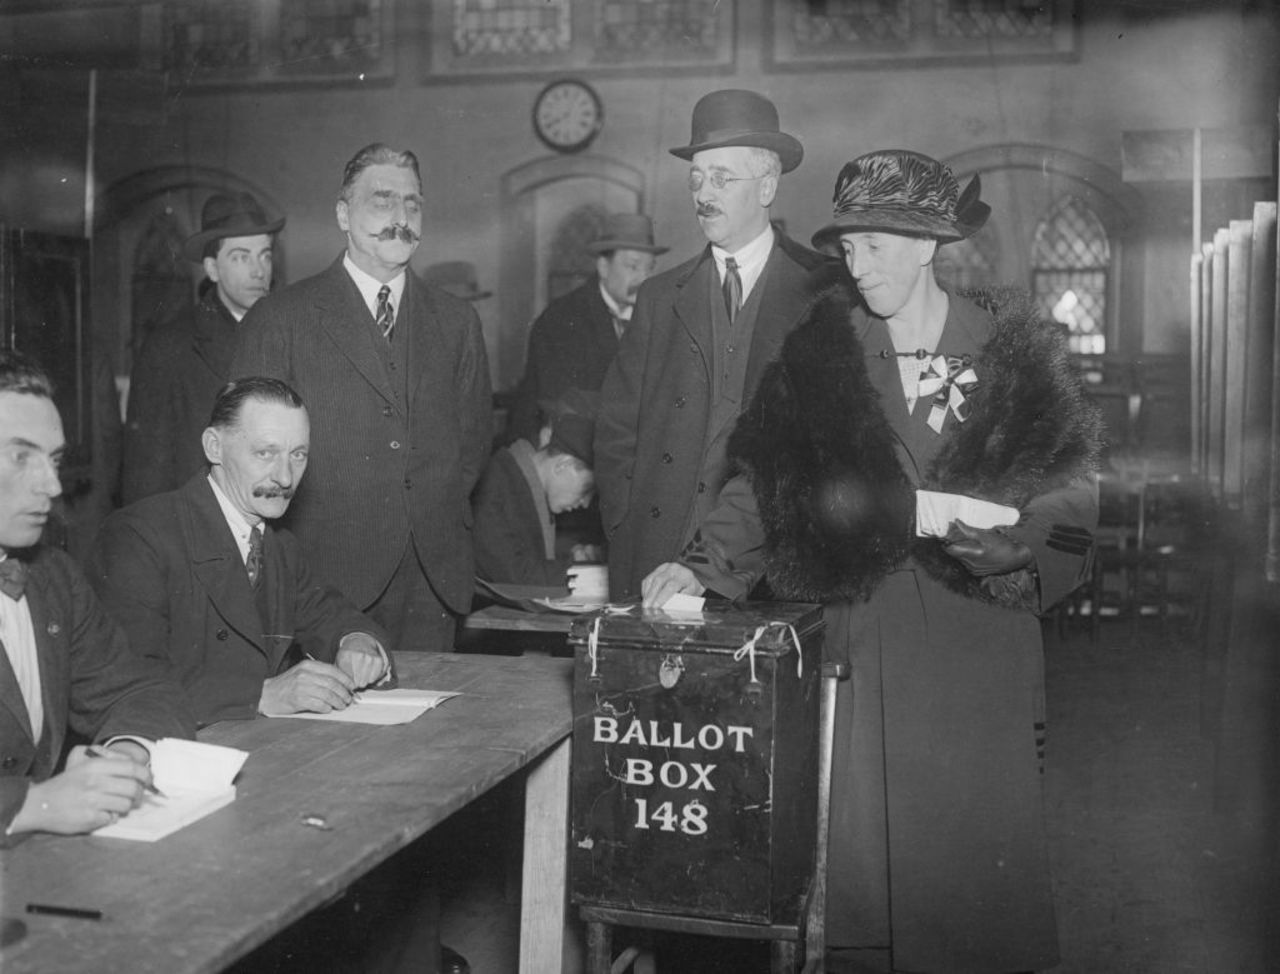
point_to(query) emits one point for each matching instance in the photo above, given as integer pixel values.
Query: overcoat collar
(214, 334)
(216, 563)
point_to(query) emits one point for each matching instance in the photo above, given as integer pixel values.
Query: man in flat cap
(180, 370)
(699, 339)
(575, 339)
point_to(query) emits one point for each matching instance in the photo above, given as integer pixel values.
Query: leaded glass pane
(1071, 236)
(1077, 299)
(993, 18)
(210, 35)
(629, 28)
(837, 24)
(340, 32)
(511, 27)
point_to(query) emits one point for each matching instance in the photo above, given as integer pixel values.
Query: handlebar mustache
(403, 234)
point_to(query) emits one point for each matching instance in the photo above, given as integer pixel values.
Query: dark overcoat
(169, 571)
(508, 531)
(571, 346)
(382, 473)
(89, 679)
(655, 406)
(938, 848)
(171, 391)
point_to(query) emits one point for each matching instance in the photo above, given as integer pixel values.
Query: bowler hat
(228, 215)
(737, 117)
(902, 192)
(626, 231)
(458, 277)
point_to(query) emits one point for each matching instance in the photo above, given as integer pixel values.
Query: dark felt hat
(228, 215)
(737, 117)
(625, 231)
(902, 192)
(572, 418)
(458, 277)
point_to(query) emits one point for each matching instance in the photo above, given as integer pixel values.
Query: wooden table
(208, 894)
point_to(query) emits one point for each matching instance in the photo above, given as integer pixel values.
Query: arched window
(1070, 260)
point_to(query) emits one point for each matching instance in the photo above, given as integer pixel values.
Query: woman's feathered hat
(903, 192)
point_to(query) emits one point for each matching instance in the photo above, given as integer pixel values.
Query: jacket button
(221, 635)
(386, 410)
(702, 488)
(408, 483)
(395, 444)
(693, 348)
(680, 402)
(666, 458)
(8, 763)
(655, 512)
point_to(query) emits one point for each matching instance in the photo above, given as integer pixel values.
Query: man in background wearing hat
(574, 341)
(699, 339)
(458, 277)
(180, 370)
(524, 489)
(894, 411)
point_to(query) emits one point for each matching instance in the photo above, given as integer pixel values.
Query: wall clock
(568, 115)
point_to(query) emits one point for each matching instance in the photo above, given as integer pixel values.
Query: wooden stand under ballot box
(700, 776)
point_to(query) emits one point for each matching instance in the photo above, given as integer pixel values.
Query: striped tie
(386, 316)
(731, 287)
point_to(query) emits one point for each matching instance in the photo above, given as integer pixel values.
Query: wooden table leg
(546, 862)
(599, 947)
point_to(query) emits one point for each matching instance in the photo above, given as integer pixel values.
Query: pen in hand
(93, 752)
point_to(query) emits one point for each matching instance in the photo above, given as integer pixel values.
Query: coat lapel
(11, 696)
(692, 306)
(55, 666)
(341, 312)
(216, 561)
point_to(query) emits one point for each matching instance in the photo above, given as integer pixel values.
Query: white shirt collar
(750, 259)
(617, 310)
(240, 528)
(369, 286)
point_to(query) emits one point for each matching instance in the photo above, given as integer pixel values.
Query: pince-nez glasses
(717, 178)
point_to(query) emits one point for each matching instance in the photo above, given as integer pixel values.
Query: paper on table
(936, 510)
(680, 603)
(194, 779)
(384, 707)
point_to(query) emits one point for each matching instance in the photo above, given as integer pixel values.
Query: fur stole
(837, 508)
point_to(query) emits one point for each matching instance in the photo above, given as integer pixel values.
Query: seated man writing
(64, 662)
(198, 578)
(523, 489)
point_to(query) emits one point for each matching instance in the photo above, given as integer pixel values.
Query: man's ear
(344, 221)
(212, 444)
(768, 190)
(210, 269)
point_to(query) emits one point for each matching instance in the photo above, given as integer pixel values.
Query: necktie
(386, 316)
(731, 287)
(253, 564)
(13, 577)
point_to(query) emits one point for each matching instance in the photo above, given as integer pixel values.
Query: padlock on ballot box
(694, 782)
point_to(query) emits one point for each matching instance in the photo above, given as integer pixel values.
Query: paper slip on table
(206, 895)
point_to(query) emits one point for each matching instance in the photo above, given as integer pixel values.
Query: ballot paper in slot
(193, 780)
(936, 510)
(384, 707)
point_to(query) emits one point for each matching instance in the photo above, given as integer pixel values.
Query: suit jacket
(571, 346)
(169, 571)
(90, 682)
(655, 405)
(382, 473)
(509, 544)
(171, 391)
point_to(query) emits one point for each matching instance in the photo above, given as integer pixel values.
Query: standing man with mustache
(180, 369)
(200, 580)
(395, 377)
(700, 336)
(574, 341)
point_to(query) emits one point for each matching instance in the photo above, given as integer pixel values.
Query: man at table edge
(199, 577)
(66, 663)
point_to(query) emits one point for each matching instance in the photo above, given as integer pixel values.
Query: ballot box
(694, 778)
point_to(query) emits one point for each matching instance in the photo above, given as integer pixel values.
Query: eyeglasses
(717, 178)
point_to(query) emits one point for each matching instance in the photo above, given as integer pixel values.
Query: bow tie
(947, 378)
(13, 577)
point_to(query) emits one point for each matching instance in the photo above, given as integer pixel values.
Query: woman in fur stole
(894, 403)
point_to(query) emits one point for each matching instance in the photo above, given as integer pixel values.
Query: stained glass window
(993, 18)
(819, 24)
(511, 27)
(211, 35)
(634, 28)
(1070, 261)
(341, 32)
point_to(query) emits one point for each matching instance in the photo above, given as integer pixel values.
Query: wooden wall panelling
(1197, 330)
(1258, 366)
(1240, 242)
(1218, 362)
(1206, 348)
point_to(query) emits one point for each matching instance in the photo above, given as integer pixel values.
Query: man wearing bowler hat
(699, 338)
(180, 370)
(574, 341)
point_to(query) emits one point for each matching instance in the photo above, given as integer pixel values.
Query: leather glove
(985, 551)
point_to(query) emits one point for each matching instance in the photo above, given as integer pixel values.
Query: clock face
(567, 115)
